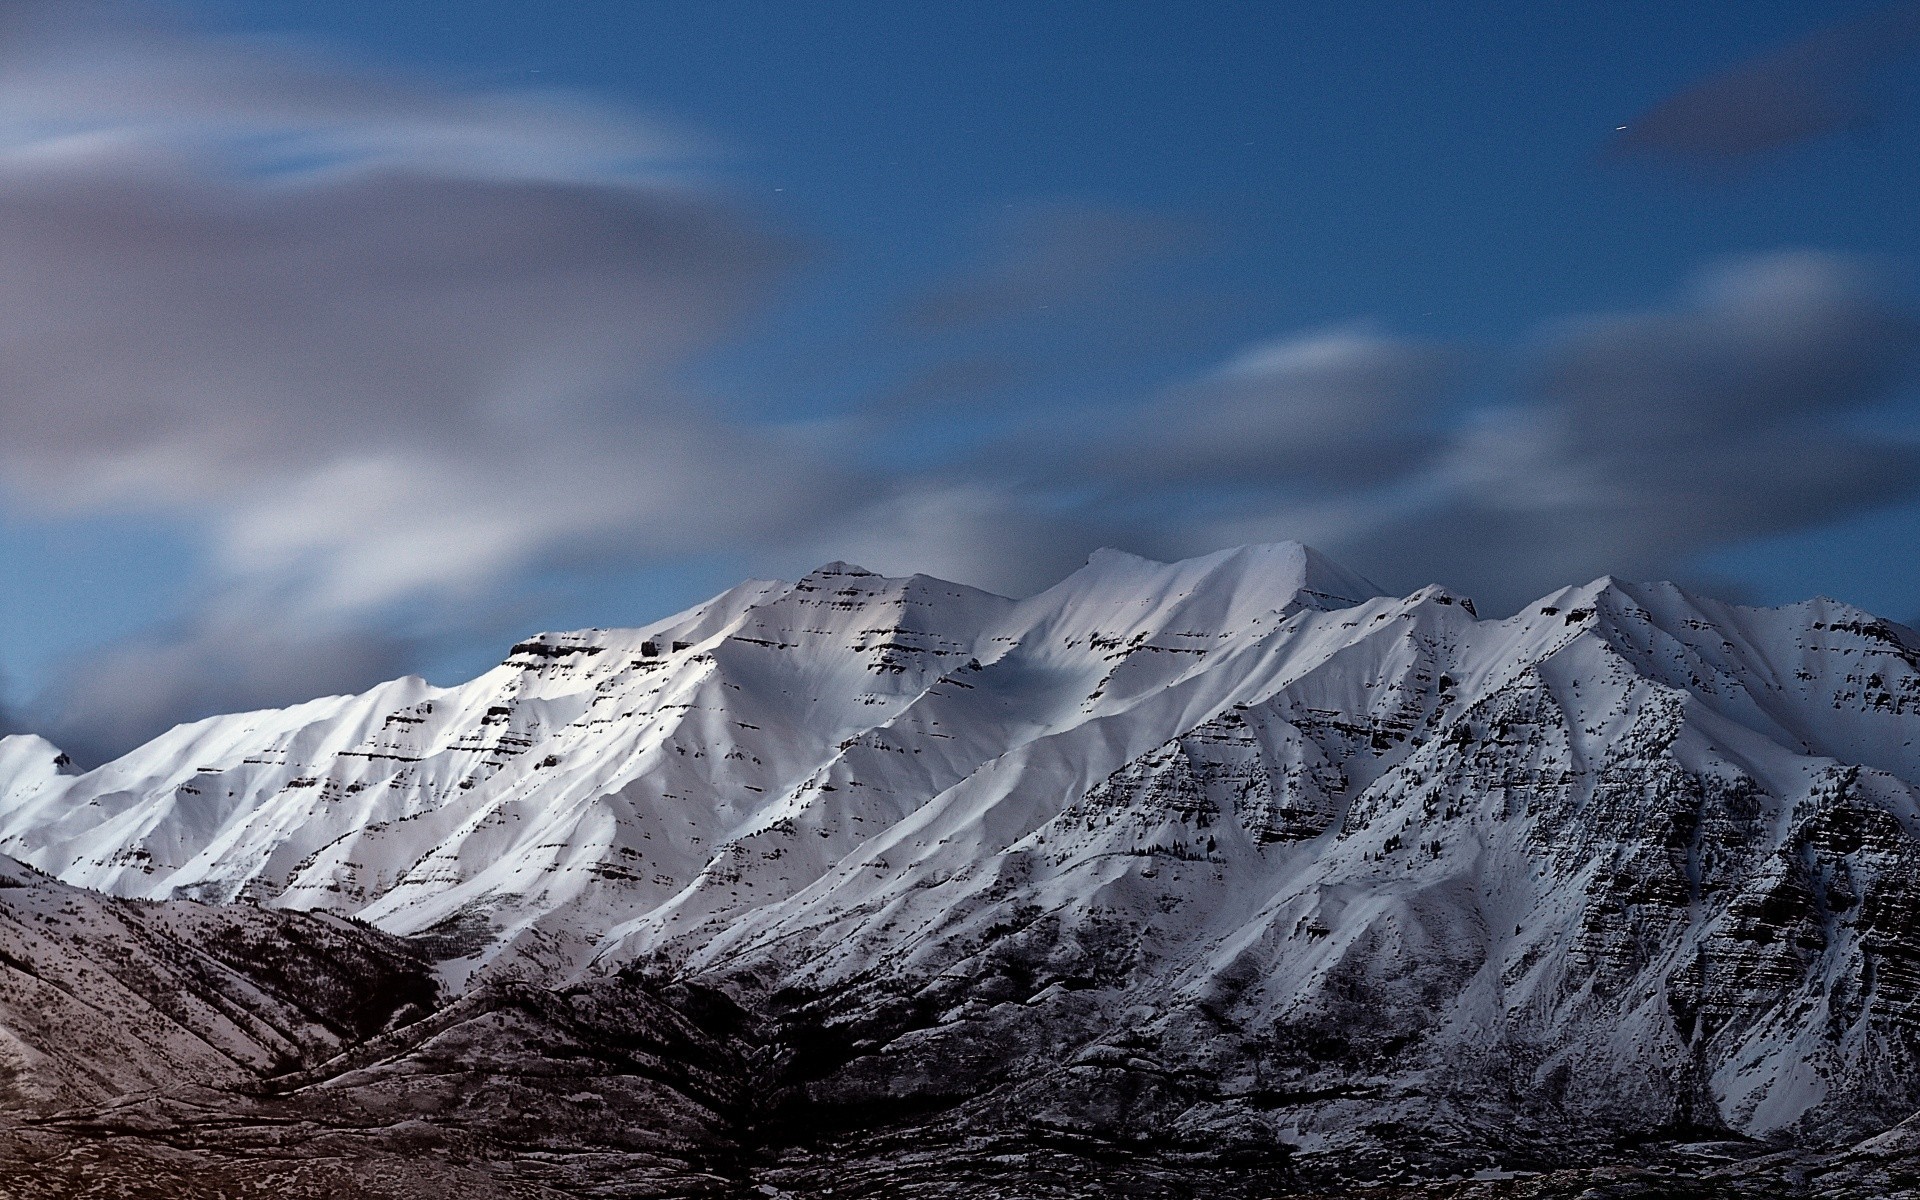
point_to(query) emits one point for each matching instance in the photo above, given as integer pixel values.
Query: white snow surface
(1250, 770)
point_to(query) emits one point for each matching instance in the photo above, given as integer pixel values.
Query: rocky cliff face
(1229, 866)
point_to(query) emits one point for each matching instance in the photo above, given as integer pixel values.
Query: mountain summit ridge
(158, 810)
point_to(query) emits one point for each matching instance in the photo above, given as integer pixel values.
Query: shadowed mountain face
(1227, 876)
(101, 997)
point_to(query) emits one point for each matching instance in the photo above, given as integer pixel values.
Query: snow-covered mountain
(603, 791)
(1233, 854)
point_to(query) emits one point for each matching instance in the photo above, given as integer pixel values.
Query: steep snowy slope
(600, 777)
(1566, 876)
(1231, 853)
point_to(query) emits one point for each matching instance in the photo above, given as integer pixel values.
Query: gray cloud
(1278, 427)
(11, 720)
(1813, 87)
(1757, 341)
(973, 383)
(988, 532)
(394, 340)
(1625, 443)
(1061, 256)
(1639, 442)
(385, 343)
(232, 659)
(1347, 406)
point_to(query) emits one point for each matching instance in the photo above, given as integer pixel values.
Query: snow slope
(609, 775)
(1278, 857)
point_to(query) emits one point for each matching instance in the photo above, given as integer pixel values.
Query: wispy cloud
(1819, 85)
(1054, 258)
(1342, 406)
(384, 341)
(1634, 443)
(339, 317)
(227, 658)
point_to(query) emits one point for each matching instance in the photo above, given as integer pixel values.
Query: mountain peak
(838, 568)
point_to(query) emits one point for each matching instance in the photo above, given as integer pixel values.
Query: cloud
(87, 76)
(397, 339)
(231, 659)
(972, 384)
(1045, 257)
(1629, 443)
(11, 720)
(988, 532)
(386, 343)
(1816, 86)
(1345, 406)
(1637, 442)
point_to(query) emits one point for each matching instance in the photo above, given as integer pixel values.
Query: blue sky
(1434, 165)
(967, 289)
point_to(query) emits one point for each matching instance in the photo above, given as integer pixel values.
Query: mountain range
(1231, 876)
